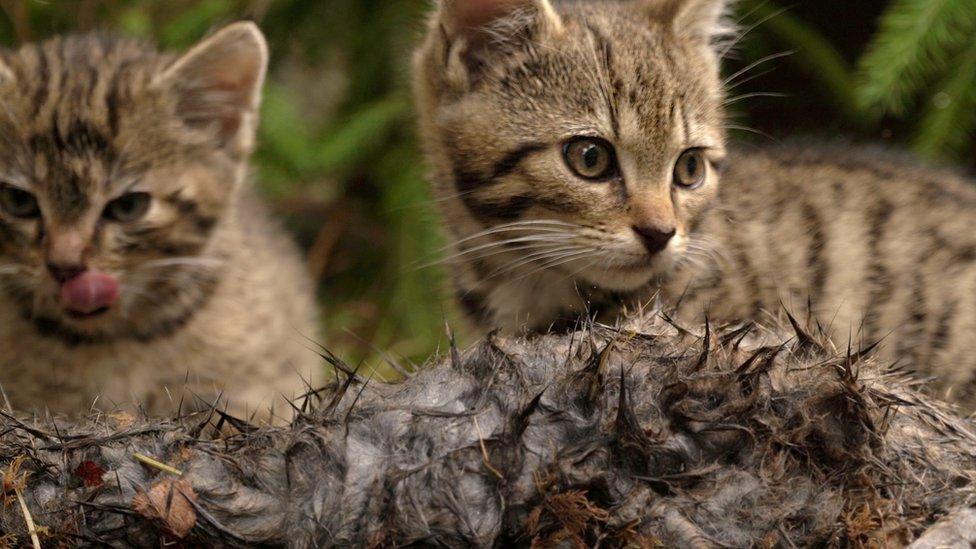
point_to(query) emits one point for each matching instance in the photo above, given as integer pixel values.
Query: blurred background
(339, 162)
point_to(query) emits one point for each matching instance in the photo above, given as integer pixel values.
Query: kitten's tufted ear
(692, 19)
(472, 19)
(474, 30)
(218, 84)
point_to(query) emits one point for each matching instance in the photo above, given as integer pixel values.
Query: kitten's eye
(127, 208)
(591, 158)
(691, 169)
(18, 203)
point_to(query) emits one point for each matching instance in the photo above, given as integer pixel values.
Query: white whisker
(744, 96)
(199, 262)
(542, 256)
(729, 81)
(749, 29)
(503, 246)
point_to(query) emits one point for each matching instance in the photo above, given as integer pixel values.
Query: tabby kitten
(136, 266)
(577, 149)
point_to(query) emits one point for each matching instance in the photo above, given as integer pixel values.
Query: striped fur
(213, 296)
(871, 245)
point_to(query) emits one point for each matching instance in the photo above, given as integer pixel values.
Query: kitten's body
(880, 248)
(212, 295)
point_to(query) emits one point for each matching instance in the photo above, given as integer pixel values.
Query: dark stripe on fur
(468, 182)
(943, 327)
(816, 262)
(878, 281)
(506, 210)
(191, 211)
(912, 340)
(605, 52)
(749, 275)
(475, 306)
(42, 81)
(511, 161)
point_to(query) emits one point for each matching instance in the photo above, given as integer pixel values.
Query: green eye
(591, 158)
(18, 203)
(691, 169)
(128, 208)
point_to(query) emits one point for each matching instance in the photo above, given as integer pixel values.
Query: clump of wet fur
(644, 433)
(128, 162)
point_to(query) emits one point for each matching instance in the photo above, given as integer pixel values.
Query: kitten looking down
(578, 151)
(135, 261)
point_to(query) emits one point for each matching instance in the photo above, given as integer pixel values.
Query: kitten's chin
(620, 279)
(630, 277)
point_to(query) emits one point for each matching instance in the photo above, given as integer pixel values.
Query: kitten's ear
(471, 19)
(692, 19)
(472, 30)
(218, 84)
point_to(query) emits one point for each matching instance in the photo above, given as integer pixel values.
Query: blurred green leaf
(362, 135)
(192, 25)
(948, 122)
(916, 40)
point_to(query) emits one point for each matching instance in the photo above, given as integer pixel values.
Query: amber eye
(591, 158)
(127, 208)
(691, 169)
(18, 202)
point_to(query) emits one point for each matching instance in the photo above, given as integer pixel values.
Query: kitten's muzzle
(654, 239)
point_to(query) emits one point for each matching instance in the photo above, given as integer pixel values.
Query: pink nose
(89, 292)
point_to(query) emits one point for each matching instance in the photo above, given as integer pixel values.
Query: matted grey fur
(643, 434)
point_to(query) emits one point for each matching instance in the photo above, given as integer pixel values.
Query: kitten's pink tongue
(89, 292)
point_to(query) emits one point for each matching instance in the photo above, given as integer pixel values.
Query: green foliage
(947, 123)
(915, 43)
(925, 49)
(920, 67)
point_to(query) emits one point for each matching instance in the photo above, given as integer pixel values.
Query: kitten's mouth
(84, 316)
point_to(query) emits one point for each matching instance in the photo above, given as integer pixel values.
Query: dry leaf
(123, 419)
(169, 502)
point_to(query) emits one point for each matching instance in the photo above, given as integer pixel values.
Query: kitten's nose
(654, 239)
(66, 251)
(65, 272)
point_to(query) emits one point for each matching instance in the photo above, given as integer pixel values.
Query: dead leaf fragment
(90, 472)
(168, 501)
(123, 419)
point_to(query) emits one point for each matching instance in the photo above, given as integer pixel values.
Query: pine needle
(146, 460)
(31, 527)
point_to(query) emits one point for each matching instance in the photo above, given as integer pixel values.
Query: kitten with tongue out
(137, 268)
(89, 293)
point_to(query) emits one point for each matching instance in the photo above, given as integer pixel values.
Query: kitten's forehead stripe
(42, 77)
(610, 85)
